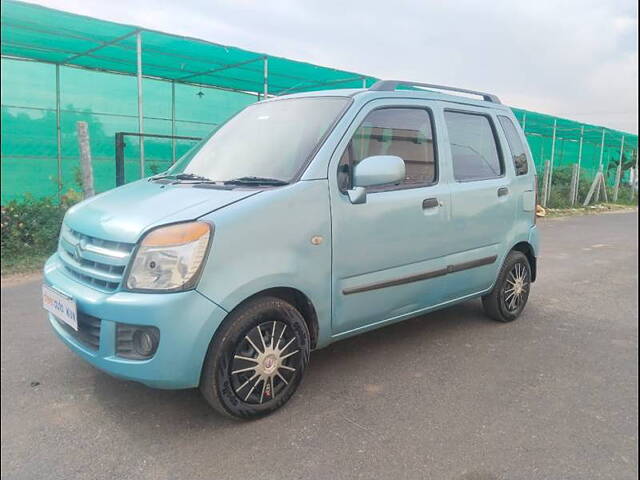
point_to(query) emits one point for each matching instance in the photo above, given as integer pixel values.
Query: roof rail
(391, 85)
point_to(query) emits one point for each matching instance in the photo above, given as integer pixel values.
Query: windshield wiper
(181, 176)
(199, 179)
(255, 181)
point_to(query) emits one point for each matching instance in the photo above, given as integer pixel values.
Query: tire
(510, 293)
(256, 359)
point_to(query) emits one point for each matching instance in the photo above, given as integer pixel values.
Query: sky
(574, 59)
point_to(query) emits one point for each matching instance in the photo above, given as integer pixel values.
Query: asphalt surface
(450, 395)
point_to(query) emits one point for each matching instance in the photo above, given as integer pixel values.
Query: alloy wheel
(264, 362)
(515, 288)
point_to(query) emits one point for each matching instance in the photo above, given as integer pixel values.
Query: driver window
(404, 132)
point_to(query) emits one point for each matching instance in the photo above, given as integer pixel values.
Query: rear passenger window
(404, 132)
(473, 147)
(518, 151)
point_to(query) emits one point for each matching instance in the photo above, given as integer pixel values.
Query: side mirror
(373, 171)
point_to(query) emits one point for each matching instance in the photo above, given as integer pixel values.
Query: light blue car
(303, 220)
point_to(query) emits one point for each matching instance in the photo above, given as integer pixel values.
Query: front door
(389, 252)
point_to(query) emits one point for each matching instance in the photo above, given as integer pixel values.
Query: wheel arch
(527, 249)
(296, 298)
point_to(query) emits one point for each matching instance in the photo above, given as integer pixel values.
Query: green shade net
(190, 86)
(38, 33)
(539, 129)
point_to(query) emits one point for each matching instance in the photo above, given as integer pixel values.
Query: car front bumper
(187, 322)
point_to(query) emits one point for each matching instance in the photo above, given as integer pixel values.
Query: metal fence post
(600, 174)
(601, 150)
(635, 177)
(574, 180)
(140, 105)
(618, 171)
(173, 121)
(553, 154)
(596, 197)
(598, 181)
(266, 77)
(575, 197)
(58, 134)
(545, 183)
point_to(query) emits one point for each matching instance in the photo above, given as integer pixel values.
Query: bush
(559, 197)
(626, 195)
(30, 228)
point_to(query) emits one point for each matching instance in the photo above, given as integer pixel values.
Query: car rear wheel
(257, 359)
(510, 294)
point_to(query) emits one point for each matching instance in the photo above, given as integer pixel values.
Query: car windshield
(267, 142)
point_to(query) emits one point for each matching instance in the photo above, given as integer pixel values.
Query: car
(303, 220)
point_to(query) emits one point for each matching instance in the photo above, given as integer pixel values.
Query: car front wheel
(257, 359)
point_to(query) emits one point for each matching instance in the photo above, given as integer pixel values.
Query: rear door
(482, 207)
(388, 253)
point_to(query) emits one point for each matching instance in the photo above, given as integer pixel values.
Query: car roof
(366, 94)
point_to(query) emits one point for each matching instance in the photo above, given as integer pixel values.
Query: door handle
(430, 203)
(502, 191)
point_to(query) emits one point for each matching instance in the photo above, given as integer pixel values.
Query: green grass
(16, 264)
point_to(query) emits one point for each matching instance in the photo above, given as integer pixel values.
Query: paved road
(450, 395)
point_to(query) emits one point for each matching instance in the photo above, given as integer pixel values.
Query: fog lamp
(145, 342)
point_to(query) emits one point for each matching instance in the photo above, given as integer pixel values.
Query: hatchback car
(303, 220)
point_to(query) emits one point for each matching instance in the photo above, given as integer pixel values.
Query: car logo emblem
(77, 252)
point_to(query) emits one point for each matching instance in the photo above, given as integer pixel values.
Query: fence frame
(120, 144)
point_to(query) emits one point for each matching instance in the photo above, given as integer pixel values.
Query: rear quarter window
(517, 148)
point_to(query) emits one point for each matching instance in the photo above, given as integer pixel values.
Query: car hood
(124, 213)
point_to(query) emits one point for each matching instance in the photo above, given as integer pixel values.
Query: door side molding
(458, 267)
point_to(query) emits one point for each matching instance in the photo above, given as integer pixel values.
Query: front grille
(124, 340)
(88, 332)
(93, 261)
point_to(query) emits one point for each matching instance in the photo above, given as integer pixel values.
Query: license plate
(60, 306)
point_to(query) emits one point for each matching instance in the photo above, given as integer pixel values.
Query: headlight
(169, 258)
